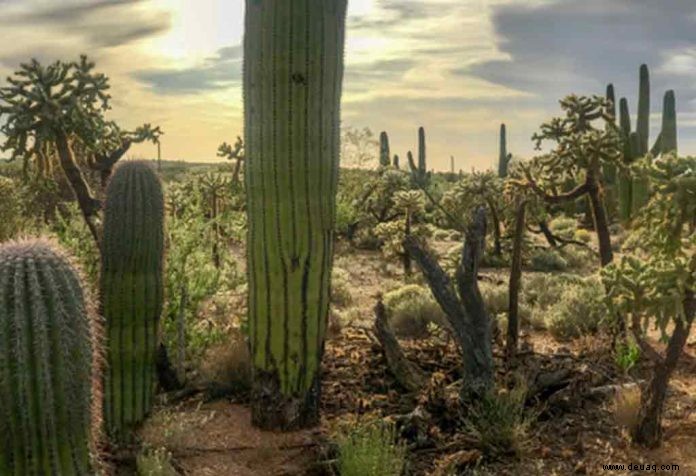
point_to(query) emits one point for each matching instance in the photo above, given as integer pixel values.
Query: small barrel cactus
(49, 379)
(132, 293)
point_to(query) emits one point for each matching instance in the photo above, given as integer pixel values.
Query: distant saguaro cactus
(49, 382)
(384, 156)
(634, 193)
(132, 293)
(293, 74)
(503, 157)
(419, 173)
(668, 137)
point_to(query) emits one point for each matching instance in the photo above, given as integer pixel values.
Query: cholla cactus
(132, 293)
(49, 381)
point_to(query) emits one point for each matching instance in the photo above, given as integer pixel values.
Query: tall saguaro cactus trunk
(132, 294)
(49, 362)
(503, 157)
(293, 72)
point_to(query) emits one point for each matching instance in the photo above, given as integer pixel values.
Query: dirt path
(217, 439)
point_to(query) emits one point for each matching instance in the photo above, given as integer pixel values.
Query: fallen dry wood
(406, 373)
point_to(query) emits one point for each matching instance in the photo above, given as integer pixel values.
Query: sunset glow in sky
(457, 67)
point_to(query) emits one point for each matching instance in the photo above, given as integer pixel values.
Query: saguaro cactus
(132, 293)
(384, 156)
(503, 158)
(293, 74)
(395, 162)
(634, 193)
(419, 173)
(49, 382)
(668, 136)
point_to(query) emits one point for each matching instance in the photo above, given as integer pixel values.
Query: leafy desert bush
(627, 355)
(340, 287)
(11, 209)
(540, 291)
(579, 311)
(500, 423)
(371, 449)
(155, 462)
(440, 234)
(347, 216)
(548, 260)
(411, 308)
(496, 296)
(563, 226)
(583, 235)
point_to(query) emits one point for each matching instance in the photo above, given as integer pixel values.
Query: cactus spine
(132, 293)
(503, 158)
(293, 72)
(384, 155)
(48, 370)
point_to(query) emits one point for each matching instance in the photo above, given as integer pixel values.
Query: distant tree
(55, 115)
(358, 146)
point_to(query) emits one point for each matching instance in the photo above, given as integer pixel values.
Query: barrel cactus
(132, 293)
(49, 356)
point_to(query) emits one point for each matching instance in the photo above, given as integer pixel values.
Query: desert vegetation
(313, 303)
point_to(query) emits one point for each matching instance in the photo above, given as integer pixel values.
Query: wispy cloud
(218, 72)
(457, 67)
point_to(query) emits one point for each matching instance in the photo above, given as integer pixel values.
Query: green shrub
(499, 423)
(548, 260)
(563, 226)
(346, 216)
(157, 462)
(580, 310)
(371, 449)
(496, 296)
(578, 258)
(11, 210)
(411, 308)
(340, 287)
(583, 235)
(490, 260)
(439, 233)
(627, 356)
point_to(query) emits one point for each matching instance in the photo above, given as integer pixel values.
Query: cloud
(218, 72)
(100, 23)
(584, 45)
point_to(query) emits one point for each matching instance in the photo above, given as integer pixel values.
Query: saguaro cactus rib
(49, 340)
(132, 293)
(292, 86)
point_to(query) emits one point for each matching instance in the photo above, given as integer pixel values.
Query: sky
(457, 67)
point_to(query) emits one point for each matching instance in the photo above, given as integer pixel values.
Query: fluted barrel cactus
(132, 293)
(49, 378)
(293, 70)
